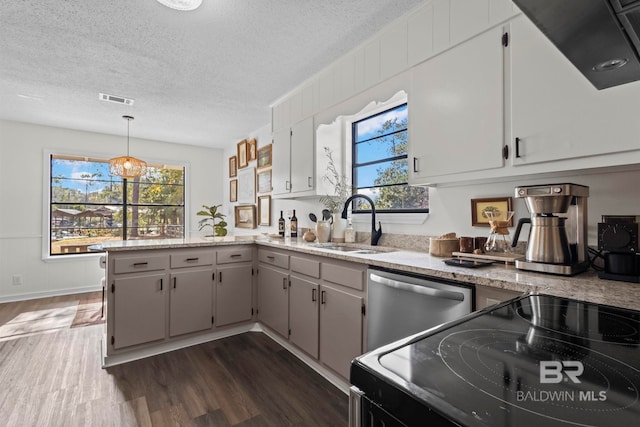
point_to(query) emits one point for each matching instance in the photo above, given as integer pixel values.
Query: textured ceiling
(205, 77)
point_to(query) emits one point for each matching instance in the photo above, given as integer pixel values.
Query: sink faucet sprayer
(375, 234)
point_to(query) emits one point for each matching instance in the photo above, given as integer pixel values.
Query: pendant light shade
(126, 166)
(184, 5)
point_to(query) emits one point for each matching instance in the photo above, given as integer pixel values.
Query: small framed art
(264, 210)
(264, 156)
(247, 186)
(233, 190)
(245, 216)
(251, 149)
(243, 161)
(499, 206)
(264, 181)
(233, 166)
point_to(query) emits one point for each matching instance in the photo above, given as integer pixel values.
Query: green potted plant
(214, 219)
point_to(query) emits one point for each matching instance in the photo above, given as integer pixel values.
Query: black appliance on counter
(618, 242)
(537, 360)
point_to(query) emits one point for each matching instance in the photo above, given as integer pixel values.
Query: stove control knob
(557, 190)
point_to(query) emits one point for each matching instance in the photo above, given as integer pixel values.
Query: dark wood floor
(55, 379)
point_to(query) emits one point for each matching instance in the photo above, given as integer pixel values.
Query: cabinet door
(302, 156)
(456, 111)
(303, 315)
(138, 309)
(556, 113)
(233, 295)
(191, 301)
(273, 299)
(281, 161)
(340, 328)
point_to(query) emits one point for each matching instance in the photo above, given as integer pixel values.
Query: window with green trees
(380, 165)
(88, 206)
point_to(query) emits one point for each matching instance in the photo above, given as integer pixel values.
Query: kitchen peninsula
(214, 289)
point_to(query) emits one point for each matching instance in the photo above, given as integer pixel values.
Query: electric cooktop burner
(537, 361)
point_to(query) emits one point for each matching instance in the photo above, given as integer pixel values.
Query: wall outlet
(17, 280)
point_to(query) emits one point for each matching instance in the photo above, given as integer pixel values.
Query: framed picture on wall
(233, 166)
(251, 148)
(245, 216)
(247, 186)
(498, 206)
(264, 156)
(243, 162)
(264, 181)
(233, 190)
(264, 210)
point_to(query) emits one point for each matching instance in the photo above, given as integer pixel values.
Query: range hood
(600, 37)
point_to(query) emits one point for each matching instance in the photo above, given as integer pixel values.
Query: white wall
(22, 167)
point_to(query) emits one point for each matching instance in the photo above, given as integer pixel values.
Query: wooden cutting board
(507, 258)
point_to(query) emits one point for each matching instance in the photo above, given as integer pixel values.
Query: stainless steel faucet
(375, 234)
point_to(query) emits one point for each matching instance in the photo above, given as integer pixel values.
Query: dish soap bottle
(349, 233)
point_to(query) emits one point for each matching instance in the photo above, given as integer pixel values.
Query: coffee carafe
(557, 240)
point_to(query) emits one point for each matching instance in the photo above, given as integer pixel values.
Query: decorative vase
(323, 231)
(339, 225)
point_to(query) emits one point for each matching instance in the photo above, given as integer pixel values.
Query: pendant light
(127, 166)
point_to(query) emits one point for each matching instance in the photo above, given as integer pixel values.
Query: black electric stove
(537, 361)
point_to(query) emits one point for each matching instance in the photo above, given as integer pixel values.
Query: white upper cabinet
(456, 111)
(557, 114)
(293, 170)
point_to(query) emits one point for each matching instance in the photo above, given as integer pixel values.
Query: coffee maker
(557, 241)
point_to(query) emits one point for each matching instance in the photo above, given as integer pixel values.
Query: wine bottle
(294, 225)
(281, 224)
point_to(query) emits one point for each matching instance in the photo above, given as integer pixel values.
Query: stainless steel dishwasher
(401, 304)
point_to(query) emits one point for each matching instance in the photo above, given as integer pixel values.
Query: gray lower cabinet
(139, 313)
(303, 314)
(273, 297)
(234, 295)
(191, 301)
(341, 322)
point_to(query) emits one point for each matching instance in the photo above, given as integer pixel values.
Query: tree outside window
(380, 165)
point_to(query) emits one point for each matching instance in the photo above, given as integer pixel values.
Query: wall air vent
(116, 99)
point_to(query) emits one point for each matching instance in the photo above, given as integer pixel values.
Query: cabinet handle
(140, 264)
(517, 147)
(220, 276)
(505, 152)
(309, 183)
(284, 283)
(415, 164)
(174, 282)
(161, 284)
(313, 295)
(270, 257)
(323, 297)
(287, 185)
(235, 255)
(192, 259)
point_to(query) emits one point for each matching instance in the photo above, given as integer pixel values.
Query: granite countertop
(586, 286)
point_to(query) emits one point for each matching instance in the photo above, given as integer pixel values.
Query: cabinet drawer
(135, 264)
(227, 256)
(342, 275)
(197, 258)
(308, 267)
(273, 258)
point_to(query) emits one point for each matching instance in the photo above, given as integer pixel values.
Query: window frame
(47, 202)
(406, 214)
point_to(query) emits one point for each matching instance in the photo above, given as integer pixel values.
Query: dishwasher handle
(418, 289)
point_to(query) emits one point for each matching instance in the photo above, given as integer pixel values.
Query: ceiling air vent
(116, 99)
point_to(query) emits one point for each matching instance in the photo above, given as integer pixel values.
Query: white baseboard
(45, 294)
